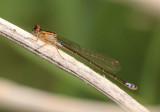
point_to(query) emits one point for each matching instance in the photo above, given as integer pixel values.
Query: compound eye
(37, 28)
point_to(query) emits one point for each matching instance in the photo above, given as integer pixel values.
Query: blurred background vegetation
(119, 30)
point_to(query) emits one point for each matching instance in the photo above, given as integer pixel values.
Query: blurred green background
(118, 30)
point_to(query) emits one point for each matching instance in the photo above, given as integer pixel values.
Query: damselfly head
(36, 29)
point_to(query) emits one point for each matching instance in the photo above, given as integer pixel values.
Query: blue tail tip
(131, 86)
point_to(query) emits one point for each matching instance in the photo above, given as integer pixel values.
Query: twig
(25, 99)
(149, 6)
(70, 65)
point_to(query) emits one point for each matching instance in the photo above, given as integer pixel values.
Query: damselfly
(100, 61)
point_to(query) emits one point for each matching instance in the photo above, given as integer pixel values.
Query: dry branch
(25, 99)
(70, 65)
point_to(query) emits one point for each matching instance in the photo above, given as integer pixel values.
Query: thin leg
(42, 46)
(58, 51)
(46, 42)
(36, 38)
(43, 41)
